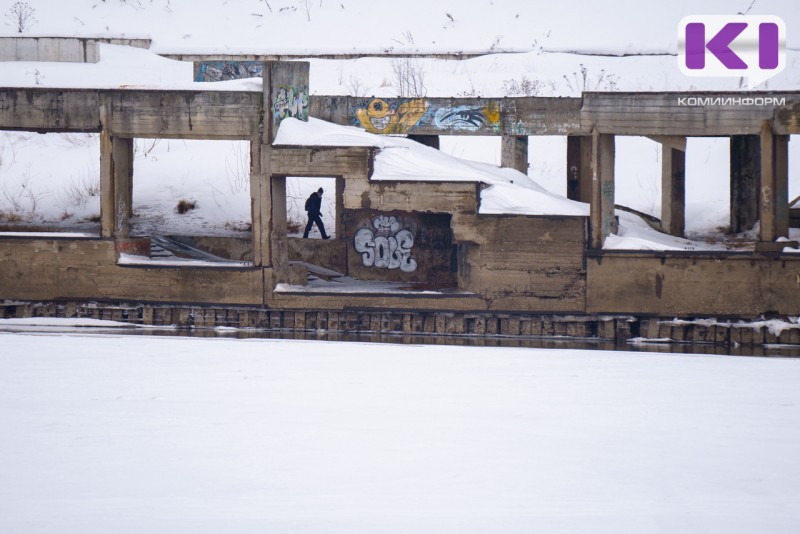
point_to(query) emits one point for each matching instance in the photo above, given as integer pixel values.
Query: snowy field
(131, 434)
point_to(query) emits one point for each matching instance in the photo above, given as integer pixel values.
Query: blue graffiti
(460, 118)
(218, 71)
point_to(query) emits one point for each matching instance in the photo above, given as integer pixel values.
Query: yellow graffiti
(379, 117)
(492, 113)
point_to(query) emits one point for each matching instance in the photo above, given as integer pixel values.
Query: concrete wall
(54, 269)
(740, 285)
(400, 246)
(59, 49)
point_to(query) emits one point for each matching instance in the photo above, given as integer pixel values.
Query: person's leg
(308, 227)
(321, 227)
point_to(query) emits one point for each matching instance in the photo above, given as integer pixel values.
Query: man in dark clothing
(313, 205)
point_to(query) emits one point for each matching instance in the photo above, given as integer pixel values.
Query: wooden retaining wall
(512, 325)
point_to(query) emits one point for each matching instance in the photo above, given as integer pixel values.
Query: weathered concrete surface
(330, 254)
(184, 114)
(52, 269)
(745, 180)
(603, 221)
(673, 190)
(429, 251)
(59, 49)
(529, 263)
(672, 114)
(739, 285)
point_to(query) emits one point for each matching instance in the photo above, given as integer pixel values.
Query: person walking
(313, 206)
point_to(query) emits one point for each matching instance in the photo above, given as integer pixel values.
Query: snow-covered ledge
(60, 49)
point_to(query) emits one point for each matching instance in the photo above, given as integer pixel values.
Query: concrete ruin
(468, 265)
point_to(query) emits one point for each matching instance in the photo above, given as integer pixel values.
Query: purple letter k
(718, 45)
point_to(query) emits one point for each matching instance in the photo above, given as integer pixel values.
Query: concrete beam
(673, 190)
(579, 168)
(514, 153)
(774, 190)
(603, 221)
(745, 181)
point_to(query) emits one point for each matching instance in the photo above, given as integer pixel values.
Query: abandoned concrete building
(429, 259)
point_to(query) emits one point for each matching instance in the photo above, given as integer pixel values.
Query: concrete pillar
(339, 208)
(427, 140)
(514, 153)
(603, 221)
(286, 90)
(579, 168)
(673, 190)
(774, 190)
(278, 233)
(745, 180)
(260, 202)
(116, 185)
(285, 85)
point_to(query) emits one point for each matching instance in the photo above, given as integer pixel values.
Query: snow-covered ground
(132, 434)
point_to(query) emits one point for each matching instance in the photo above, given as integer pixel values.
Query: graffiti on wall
(218, 71)
(386, 244)
(290, 101)
(381, 117)
(401, 116)
(468, 118)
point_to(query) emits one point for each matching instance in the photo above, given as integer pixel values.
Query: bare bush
(355, 87)
(24, 200)
(409, 78)
(79, 190)
(237, 168)
(583, 81)
(22, 16)
(522, 87)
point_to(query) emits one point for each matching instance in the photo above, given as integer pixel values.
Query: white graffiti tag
(388, 247)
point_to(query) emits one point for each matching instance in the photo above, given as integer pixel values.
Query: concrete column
(339, 208)
(514, 153)
(579, 168)
(122, 155)
(285, 86)
(427, 140)
(116, 185)
(278, 233)
(673, 190)
(603, 221)
(260, 200)
(745, 180)
(774, 190)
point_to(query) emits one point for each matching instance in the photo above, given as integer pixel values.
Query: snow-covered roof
(401, 159)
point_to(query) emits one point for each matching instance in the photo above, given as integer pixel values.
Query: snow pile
(402, 159)
(635, 234)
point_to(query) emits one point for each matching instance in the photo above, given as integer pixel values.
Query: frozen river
(130, 434)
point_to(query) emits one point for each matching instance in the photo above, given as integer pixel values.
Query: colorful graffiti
(218, 71)
(290, 101)
(468, 118)
(401, 116)
(380, 117)
(387, 247)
